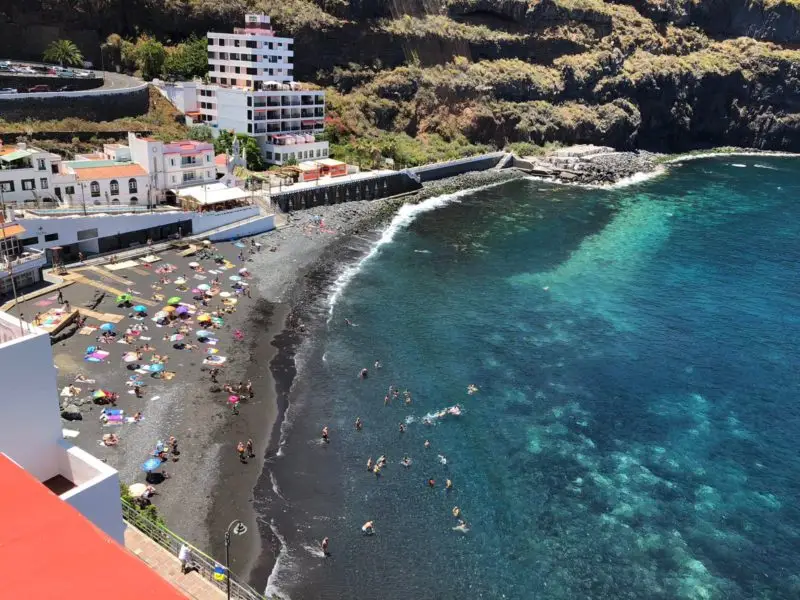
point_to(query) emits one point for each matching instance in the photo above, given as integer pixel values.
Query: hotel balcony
(285, 101)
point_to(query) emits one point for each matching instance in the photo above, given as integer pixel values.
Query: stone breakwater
(588, 165)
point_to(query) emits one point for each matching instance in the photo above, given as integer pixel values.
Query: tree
(201, 133)
(63, 52)
(224, 143)
(150, 56)
(187, 60)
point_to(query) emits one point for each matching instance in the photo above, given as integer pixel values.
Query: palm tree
(63, 52)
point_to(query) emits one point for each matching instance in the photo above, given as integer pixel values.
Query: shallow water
(634, 433)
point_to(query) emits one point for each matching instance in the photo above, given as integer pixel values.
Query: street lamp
(238, 528)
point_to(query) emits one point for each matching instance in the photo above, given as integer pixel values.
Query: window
(133, 187)
(29, 241)
(324, 152)
(58, 192)
(7, 186)
(173, 179)
(208, 174)
(54, 169)
(95, 188)
(115, 201)
(171, 162)
(208, 158)
(87, 234)
(134, 200)
(50, 237)
(28, 184)
(69, 190)
(40, 164)
(43, 183)
(238, 70)
(277, 156)
(114, 187)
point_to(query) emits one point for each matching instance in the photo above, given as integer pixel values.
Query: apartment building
(251, 90)
(25, 174)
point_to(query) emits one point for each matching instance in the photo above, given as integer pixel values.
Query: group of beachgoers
(177, 318)
(377, 466)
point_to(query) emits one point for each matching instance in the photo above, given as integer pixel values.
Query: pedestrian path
(192, 585)
(102, 317)
(106, 274)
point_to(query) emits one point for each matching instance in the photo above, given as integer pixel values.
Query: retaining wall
(91, 105)
(373, 188)
(457, 167)
(24, 82)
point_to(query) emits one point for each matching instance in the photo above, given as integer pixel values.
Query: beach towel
(146, 339)
(112, 411)
(167, 375)
(86, 380)
(214, 360)
(200, 277)
(88, 330)
(132, 420)
(65, 393)
(69, 433)
(44, 303)
(155, 398)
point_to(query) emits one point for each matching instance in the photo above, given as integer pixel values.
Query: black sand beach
(208, 486)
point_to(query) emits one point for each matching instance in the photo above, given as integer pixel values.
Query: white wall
(67, 228)
(96, 496)
(211, 220)
(262, 225)
(84, 193)
(232, 110)
(30, 427)
(16, 176)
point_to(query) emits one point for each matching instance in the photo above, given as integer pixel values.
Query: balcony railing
(29, 255)
(204, 564)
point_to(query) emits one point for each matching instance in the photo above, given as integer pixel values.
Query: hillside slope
(429, 78)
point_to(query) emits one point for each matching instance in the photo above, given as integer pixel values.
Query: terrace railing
(172, 543)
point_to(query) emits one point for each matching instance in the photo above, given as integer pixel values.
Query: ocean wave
(281, 568)
(404, 217)
(634, 179)
(680, 159)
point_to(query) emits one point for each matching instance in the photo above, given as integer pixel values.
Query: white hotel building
(251, 90)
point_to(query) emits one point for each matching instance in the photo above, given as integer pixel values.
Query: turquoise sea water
(635, 433)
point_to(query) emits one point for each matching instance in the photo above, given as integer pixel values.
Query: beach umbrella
(182, 310)
(203, 287)
(140, 308)
(169, 309)
(135, 490)
(107, 327)
(206, 242)
(235, 278)
(156, 368)
(176, 338)
(122, 298)
(194, 265)
(180, 281)
(174, 300)
(202, 333)
(151, 464)
(99, 394)
(233, 399)
(217, 321)
(243, 271)
(197, 291)
(225, 294)
(211, 351)
(90, 349)
(130, 357)
(160, 315)
(230, 301)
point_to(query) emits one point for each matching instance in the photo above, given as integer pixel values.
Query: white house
(251, 90)
(173, 165)
(25, 174)
(104, 182)
(31, 430)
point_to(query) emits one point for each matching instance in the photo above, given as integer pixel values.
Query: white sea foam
(281, 569)
(404, 217)
(738, 165)
(634, 179)
(275, 487)
(757, 166)
(679, 159)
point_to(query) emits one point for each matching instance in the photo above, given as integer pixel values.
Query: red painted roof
(49, 550)
(221, 160)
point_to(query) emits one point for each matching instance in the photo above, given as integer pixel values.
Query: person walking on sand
(240, 449)
(249, 389)
(137, 390)
(250, 452)
(60, 297)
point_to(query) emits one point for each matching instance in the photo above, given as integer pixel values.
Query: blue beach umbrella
(202, 333)
(140, 308)
(235, 278)
(156, 368)
(106, 327)
(151, 464)
(90, 349)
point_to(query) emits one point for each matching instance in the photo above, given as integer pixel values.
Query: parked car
(84, 74)
(39, 88)
(66, 88)
(8, 90)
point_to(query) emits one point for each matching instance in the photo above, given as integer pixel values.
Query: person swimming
(363, 374)
(378, 364)
(402, 428)
(427, 444)
(406, 462)
(368, 528)
(462, 526)
(369, 464)
(442, 459)
(359, 424)
(432, 483)
(381, 461)
(325, 434)
(472, 389)
(448, 485)
(456, 512)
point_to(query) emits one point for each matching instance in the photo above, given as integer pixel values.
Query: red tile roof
(92, 173)
(49, 550)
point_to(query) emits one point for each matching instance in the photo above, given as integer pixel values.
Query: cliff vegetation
(417, 81)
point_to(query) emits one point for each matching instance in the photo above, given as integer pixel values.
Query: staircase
(509, 157)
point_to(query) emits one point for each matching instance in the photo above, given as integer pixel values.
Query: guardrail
(204, 564)
(77, 94)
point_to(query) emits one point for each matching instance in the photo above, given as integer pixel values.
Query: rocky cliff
(449, 74)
